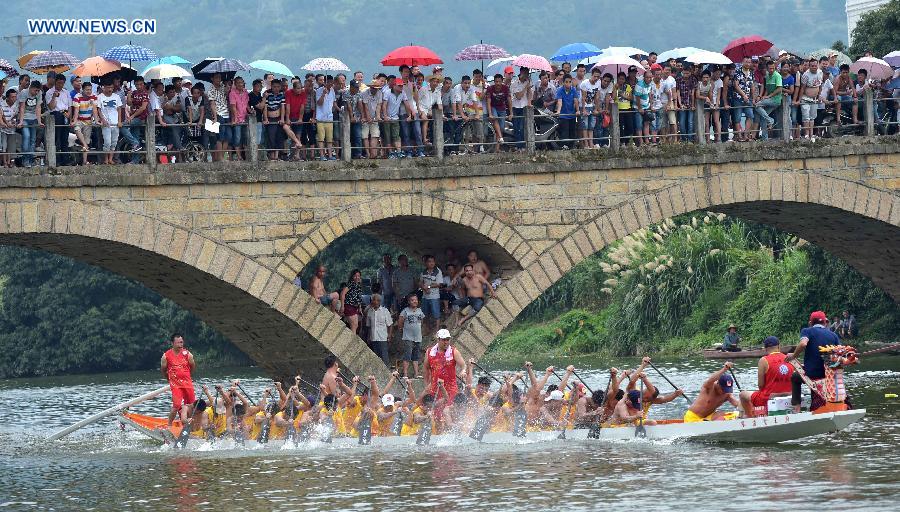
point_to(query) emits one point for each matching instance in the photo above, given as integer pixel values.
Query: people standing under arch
(317, 290)
(351, 300)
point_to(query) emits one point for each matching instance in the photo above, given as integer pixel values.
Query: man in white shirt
(379, 322)
(325, 97)
(59, 102)
(521, 90)
(429, 98)
(588, 119)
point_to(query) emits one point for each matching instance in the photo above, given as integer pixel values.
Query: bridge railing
(443, 134)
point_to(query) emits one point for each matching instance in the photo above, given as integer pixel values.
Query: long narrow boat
(765, 429)
(714, 353)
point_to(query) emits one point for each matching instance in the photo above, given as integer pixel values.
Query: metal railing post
(870, 113)
(786, 118)
(150, 141)
(615, 136)
(700, 125)
(437, 124)
(530, 146)
(49, 140)
(253, 143)
(346, 143)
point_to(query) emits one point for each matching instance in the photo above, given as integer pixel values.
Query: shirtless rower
(176, 365)
(629, 409)
(331, 377)
(317, 290)
(474, 284)
(713, 393)
(534, 397)
(773, 376)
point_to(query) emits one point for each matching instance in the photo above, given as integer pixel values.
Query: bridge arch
(419, 224)
(855, 222)
(287, 331)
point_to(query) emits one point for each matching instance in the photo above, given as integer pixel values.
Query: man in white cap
(441, 362)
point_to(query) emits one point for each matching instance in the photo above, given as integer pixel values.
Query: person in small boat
(713, 393)
(773, 377)
(629, 410)
(731, 340)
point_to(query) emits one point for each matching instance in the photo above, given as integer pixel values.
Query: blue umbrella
(171, 59)
(576, 51)
(271, 66)
(130, 52)
(893, 84)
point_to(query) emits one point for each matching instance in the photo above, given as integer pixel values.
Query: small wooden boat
(714, 353)
(763, 429)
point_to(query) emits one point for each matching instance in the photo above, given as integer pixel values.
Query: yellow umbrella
(25, 59)
(96, 66)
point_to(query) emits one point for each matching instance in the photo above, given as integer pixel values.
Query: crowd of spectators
(395, 116)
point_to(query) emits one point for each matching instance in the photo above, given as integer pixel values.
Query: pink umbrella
(746, 47)
(876, 69)
(614, 65)
(527, 60)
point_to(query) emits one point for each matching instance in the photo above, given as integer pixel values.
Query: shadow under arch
(275, 323)
(853, 221)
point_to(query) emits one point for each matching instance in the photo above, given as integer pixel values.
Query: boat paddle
(425, 431)
(489, 374)
(734, 377)
(562, 434)
(640, 431)
(594, 430)
(661, 374)
(291, 430)
(185, 433)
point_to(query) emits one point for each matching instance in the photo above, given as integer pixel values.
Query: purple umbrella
(481, 51)
(52, 59)
(8, 68)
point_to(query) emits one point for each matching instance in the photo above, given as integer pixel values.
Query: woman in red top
(442, 362)
(774, 378)
(176, 365)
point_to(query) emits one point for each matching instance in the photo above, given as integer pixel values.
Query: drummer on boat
(444, 362)
(176, 365)
(811, 339)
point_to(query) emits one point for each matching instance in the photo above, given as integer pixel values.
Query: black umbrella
(126, 74)
(228, 68)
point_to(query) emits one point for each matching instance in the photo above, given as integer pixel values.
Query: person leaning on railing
(84, 115)
(30, 120)
(111, 115)
(9, 118)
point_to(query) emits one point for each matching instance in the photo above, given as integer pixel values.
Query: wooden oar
(489, 374)
(734, 377)
(562, 434)
(661, 374)
(640, 431)
(582, 382)
(108, 412)
(594, 430)
(882, 349)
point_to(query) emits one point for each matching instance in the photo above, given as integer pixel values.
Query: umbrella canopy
(205, 70)
(326, 64)
(704, 57)
(130, 52)
(271, 66)
(96, 66)
(25, 59)
(3, 74)
(842, 58)
(171, 59)
(893, 58)
(526, 60)
(8, 69)
(411, 56)
(165, 71)
(677, 53)
(481, 51)
(501, 61)
(575, 51)
(622, 51)
(612, 65)
(876, 69)
(126, 74)
(53, 60)
(747, 46)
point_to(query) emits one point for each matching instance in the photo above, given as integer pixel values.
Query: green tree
(839, 46)
(877, 31)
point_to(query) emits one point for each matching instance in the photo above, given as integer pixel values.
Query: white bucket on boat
(779, 405)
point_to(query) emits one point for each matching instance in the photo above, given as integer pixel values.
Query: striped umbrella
(326, 64)
(53, 60)
(130, 52)
(481, 51)
(8, 69)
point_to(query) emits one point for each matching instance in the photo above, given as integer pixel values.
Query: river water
(105, 468)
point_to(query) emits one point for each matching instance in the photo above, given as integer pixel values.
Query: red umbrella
(411, 56)
(746, 47)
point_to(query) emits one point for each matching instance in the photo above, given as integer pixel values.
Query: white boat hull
(762, 430)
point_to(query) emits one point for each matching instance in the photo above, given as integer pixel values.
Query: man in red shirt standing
(176, 365)
(773, 378)
(442, 361)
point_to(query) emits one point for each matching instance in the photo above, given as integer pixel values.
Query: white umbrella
(164, 71)
(876, 69)
(677, 53)
(502, 60)
(704, 57)
(613, 65)
(326, 64)
(625, 51)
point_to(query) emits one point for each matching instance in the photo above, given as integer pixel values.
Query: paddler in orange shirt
(176, 365)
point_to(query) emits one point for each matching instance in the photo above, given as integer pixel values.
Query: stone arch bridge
(227, 241)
